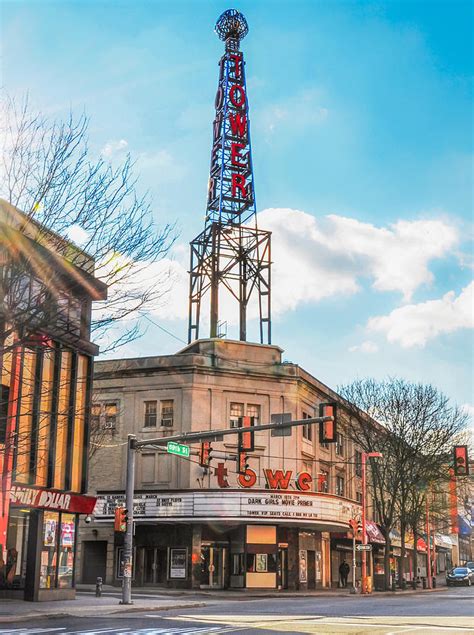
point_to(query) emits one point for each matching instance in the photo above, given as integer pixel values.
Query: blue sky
(361, 116)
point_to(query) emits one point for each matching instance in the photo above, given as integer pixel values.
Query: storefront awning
(373, 533)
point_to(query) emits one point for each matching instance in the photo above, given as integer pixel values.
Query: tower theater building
(281, 520)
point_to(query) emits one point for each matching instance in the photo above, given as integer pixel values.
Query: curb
(110, 611)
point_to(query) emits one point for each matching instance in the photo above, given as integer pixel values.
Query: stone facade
(207, 385)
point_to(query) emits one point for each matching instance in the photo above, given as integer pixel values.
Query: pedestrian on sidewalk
(344, 569)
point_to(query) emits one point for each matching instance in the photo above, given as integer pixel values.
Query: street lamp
(365, 456)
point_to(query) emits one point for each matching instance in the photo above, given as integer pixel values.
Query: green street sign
(178, 448)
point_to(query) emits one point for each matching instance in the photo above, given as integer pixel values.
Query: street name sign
(363, 547)
(178, 448)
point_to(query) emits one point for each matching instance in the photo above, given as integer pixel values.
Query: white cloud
(365, 347)
(315, 259)
(416, 324)
(113, 148)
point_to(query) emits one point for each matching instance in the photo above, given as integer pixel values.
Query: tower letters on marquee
(275, 479)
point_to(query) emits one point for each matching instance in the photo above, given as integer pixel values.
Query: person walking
(344, 569)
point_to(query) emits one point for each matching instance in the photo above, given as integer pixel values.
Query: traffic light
(205, 454)
(246, 439)
(120, 519)
(328, 429)
(461, 462)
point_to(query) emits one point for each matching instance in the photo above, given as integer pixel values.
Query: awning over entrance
(373, 532)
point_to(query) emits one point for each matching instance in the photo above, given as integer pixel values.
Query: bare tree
(414, 426)
(48, 172)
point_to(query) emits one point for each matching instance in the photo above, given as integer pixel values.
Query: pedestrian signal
(120, 519)
(328, 429)
(205, 454)
(461, 462)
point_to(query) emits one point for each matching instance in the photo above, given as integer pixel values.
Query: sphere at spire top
(232, 24)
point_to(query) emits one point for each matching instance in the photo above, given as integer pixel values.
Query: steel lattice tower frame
(231, 252)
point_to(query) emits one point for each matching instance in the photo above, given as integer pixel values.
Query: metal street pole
(353, 590)
(364, 528)
(365, 456)
(428, 549)
(128, 542)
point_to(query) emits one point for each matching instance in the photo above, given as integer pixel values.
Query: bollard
(98, 587)
(394, 585)
(424, 582)
(434, 583)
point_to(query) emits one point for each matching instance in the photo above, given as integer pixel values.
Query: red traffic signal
(246, 439)
(461, 462)
(120, 519)
(205, 454)
(328, 429)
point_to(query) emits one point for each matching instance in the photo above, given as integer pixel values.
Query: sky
(361, 120)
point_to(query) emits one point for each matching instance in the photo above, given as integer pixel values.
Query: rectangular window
(253, 410)
(340, 486)
(358, 463)
(359, 497)
(95, 416)
(307, 430)
(167, 413)
(151, 412)
(323, 481)
(236, 411)
(339, 444)
(110, 415)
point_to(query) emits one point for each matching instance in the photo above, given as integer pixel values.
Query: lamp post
(365, 456)
(428, 547)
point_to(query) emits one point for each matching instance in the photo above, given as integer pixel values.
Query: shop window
(151, 411)
(57, 552)
(340, 486)
(339, 444)
(358, 463)
(49, 550)
(167, 413)
(236, 411)
(307, 429)
(13, 570)
(66, 551)
(261, 563)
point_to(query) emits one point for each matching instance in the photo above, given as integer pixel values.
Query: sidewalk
(157, 600)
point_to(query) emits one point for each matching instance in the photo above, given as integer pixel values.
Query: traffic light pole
(128, 542)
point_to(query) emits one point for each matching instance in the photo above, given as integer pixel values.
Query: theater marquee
(260, 505)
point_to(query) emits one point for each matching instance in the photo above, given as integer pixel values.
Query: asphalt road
(443, 612)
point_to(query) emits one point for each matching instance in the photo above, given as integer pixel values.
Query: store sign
(51, 499)
(275, 479)
(291, 507)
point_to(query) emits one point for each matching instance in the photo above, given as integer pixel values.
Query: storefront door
(154, 565)
(213, 565)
